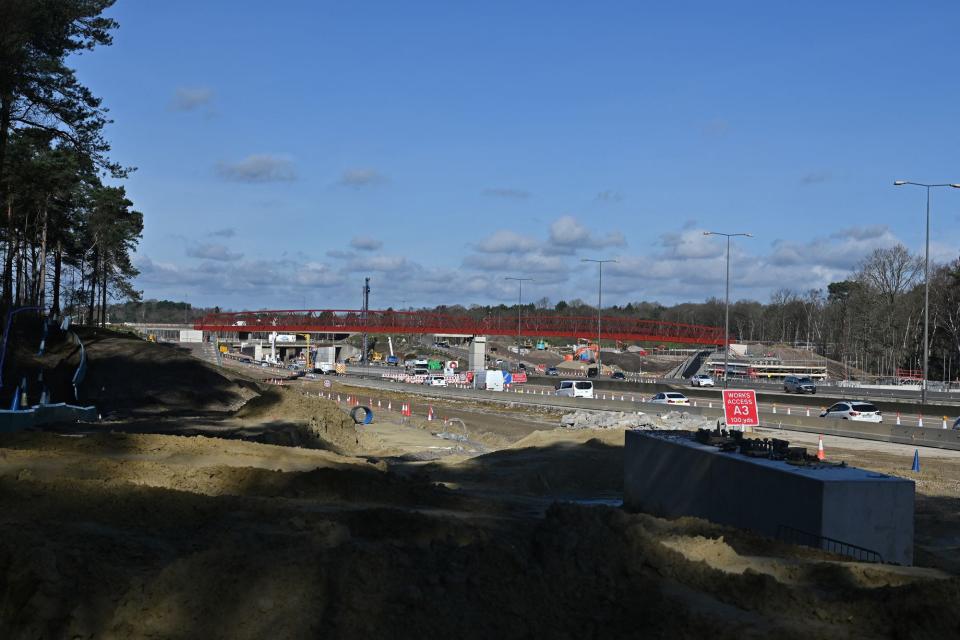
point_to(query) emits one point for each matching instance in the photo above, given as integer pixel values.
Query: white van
(575, 388)
(491, 380)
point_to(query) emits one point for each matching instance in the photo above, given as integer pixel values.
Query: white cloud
(226, 232)
(505, 241)
(213, 252)
(189, 98)
(390, 264)
(359, 178)
(529, 263)
(365, 243)
(259, 168)
(567, 233)
(816, 177)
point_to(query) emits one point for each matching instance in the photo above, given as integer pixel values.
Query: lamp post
(926, 283)
(599, 307)
(520, 282)
(726, 319)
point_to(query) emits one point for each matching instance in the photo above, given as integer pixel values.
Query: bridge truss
(418, 322)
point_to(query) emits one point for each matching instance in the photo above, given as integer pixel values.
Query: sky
(287, 150)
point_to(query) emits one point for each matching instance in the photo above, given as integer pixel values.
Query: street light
(599, 308)
(926, 283)
(726, 320)
(520, 282)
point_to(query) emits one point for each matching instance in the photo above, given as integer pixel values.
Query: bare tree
(890, 272)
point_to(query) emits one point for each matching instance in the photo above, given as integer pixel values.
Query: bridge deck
(534, 325)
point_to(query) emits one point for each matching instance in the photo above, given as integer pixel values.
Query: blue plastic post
(916, 461)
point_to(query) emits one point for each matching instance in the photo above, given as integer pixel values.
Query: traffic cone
(389, 405)
(916, 461)
(920, 421)
(820, 454)
(898, 418)
(430, 413)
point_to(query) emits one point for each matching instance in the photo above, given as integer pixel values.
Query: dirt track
(148, 534)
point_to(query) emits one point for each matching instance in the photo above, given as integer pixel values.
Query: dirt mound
(128, 375)
(548, 463)
(116, 561)
(320, 421)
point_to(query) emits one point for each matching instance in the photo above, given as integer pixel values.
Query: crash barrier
(81, 371)
(361, 415)
(44, 414)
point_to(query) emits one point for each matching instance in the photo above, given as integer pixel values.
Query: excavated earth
(264, 512)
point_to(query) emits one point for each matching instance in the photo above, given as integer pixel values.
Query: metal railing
(831, 545)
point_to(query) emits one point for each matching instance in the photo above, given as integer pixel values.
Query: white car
(853, 410)
(701, 380)
(670, 397)
(435, 381)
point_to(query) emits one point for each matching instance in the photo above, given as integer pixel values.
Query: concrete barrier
(44, 414)
(842, 509)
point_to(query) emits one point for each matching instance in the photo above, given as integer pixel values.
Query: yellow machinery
(376, 356)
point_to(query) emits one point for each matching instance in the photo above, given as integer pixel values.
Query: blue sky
(284, 152)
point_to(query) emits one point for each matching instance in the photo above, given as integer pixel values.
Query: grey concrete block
(670, 475)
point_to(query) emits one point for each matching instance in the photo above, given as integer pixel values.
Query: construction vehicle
(376, 356)
(392, 359)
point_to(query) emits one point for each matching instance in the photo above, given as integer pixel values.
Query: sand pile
(296, 419)
(88, 559)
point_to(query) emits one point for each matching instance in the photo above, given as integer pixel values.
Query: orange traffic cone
(430, 413)
(820, 454)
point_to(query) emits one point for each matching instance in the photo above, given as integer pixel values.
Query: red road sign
(740, 408)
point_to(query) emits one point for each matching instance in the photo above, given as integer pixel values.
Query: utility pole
(520, 282)
(926, 285)
(366, 309)
(599, 309)
(726, 321)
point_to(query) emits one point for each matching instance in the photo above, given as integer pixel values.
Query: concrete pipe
(365, 418)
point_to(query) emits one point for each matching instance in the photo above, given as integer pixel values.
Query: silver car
(796, 384)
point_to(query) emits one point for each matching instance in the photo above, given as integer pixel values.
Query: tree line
(70, 228)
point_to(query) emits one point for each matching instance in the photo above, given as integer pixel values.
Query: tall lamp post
(726, 319)
(926, 283)
(600, 264)
(520, 282)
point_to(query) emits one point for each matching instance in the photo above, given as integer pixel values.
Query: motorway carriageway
(793, 405)
(774, 408)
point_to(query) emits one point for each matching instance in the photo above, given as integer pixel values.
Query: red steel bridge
(533, 325)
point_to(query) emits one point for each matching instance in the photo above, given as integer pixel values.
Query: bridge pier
(478, 353)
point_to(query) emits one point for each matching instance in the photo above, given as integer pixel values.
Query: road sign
(326, 384)
(740, 408)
